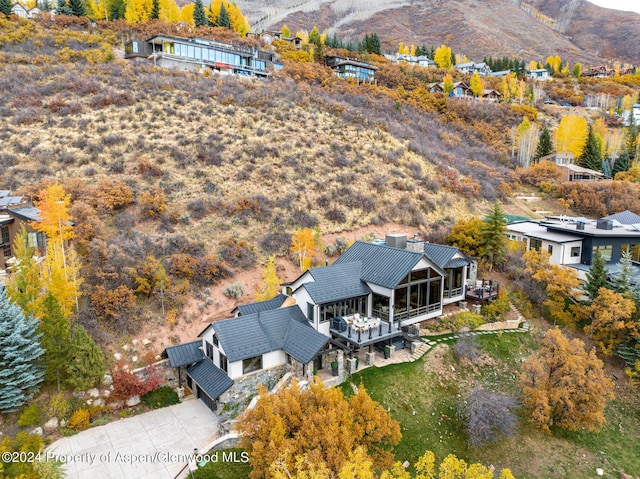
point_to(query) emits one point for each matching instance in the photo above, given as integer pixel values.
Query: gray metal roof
(251, 308)
(303, 342)
(443, 256)
(26, 213)
(183, 354)
(259, 333)
(10, 200)
(210, 378)
(625, 217)
(381, 265)
(336, 282)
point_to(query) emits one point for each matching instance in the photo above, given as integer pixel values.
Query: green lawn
(423, 396)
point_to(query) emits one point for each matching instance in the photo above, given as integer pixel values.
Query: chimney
(416, 245)
(580, 225)
(396, 241)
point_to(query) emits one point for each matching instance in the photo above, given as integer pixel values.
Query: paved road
(148, 446)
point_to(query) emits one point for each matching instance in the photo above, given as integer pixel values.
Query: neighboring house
(491, 95)
(24, 12)
(635, 113)
(575, 241)
(16, 211)
(364, 299)
(271, 36)
(569, 170)
(421, 60)
(351, 68)
(600, 71)
(539, 74)
(460, 89)
(470, 68)
(500, 74)
(199, 53)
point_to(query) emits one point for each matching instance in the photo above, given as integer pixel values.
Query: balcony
(364, 331)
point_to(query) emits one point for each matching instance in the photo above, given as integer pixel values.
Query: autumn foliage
(318, 422)
(565, 386)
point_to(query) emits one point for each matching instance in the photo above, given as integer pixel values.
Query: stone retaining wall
(247, 386)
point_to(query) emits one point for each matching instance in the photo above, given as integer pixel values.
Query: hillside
(581, 32)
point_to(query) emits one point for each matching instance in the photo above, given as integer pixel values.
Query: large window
(209, 349)
(634, 249)
(250, 365)
(224, 364)
(575, 251)
(535, 244)
(6, 242)
(343, 308)
(453, 283)
(606, 251)
(380, 306)
(420, 296)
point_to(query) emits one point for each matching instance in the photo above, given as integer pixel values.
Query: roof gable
(183, 354)
(336, 282)
(445, 256)
(210, 378)
(381, 265)
(259, 333)
(251, 308)
(624, 217)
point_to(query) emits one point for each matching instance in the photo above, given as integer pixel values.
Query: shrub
(275, 243)
(153, 203)
(234, 290)
(494, 310)
(79, 420)
(488, 416)
(237, 253)
(162, 397)
(466, 319)
(58, 406)
(30, 416)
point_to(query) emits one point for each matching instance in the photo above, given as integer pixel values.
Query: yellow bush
(79, 420)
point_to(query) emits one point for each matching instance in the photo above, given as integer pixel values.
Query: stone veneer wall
(247, 386)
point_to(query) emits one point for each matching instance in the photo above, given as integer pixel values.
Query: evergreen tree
(621, 283)
(63, 9)
(117, 9)
(20, 352)
(314, 36)
(374, 44)
(621, 164)
(25, 283)
(631, 140)
(86, 361)
(5, 7)
(199, 16)
(596, 277)
(155, 10)
(223, 19)
(591, 155)
(545, 147)
(55, 340)
(494, 242)
(606, 168)
(77, 8)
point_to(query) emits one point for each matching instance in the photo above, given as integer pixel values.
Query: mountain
(574, 29)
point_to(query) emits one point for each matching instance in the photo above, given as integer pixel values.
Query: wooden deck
(482, 295)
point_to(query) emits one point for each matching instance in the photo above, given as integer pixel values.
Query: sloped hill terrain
(609, 34)
(581, 32)
(211, 174)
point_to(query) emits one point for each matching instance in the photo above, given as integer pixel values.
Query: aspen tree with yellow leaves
(571, 135)
(442, 57)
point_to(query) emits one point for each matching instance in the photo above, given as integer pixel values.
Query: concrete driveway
(152, 445)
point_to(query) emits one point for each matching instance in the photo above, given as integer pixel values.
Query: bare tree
(488, 416)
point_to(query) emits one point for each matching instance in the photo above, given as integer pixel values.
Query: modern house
(539, 74)
(569, 170)
(368, 298)
(16, 211)
(575, 241)
(470, 68)
(491, 95)
(351, 68)
(200, 53)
